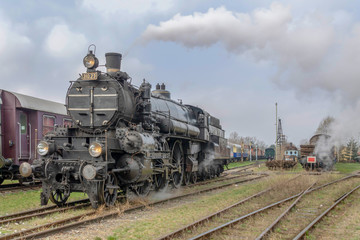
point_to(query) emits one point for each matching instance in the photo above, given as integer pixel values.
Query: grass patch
(241, 164)
(25, 200)
(347, 167)
(152, 224)
(297, 168)
(7, 181)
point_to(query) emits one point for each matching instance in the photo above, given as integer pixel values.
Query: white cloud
(311, 52)
(11, 39)
(61, 42)
(15, 48)
(136, 69)
(109, 8)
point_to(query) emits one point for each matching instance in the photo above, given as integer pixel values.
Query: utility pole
(256, 152)
(276, 136)
(351, 149)
(242, 151)
(250, 151)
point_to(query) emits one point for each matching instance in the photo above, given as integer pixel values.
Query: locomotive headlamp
(25, 169)
(95, 149)
(90, 61)
(89, 172)
(43, 148)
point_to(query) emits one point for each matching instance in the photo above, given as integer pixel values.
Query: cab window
(48, 124)
(67, 122)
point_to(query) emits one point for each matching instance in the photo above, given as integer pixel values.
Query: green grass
(347, 167)
(25, 200)
(10, 181)
(297, 168)
(240, 164)
(151, 225)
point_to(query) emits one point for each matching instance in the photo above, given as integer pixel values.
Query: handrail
(30, 146)
(19, 141)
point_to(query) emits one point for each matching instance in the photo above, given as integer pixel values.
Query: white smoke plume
(318, 51)
(324, 150)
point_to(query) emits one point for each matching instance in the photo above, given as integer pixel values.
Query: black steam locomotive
(319, 154)
(125, 138)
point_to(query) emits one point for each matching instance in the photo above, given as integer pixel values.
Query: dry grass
(341, 223)
(167, 217)
(35, 222)
(310, 207)
(181, 214)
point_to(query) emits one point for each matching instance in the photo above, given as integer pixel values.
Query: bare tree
(325, 125)
(234, 138)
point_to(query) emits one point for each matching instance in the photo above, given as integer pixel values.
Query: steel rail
(272, 225)
(218, 180)
(5, 218)
(316, 220)
(209, 217)
(71, 205)
(230, 223)
(39, 214)
(245, 167)
(18, 186)
(10, 185)
(31, 233)
(176, 233)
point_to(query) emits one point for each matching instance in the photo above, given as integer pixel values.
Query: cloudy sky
(233, 58)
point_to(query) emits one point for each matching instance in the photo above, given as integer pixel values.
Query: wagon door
(24, 138)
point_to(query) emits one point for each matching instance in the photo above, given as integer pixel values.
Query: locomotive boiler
(125, 138)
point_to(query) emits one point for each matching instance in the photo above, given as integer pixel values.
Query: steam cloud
(315, 52)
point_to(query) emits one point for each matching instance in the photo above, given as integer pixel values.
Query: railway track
(43, 211)
(209, 233)
(255, 164)
(19, 186)
(91, 216)
(318, 219)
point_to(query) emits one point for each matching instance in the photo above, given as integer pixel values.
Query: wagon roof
(40, 104)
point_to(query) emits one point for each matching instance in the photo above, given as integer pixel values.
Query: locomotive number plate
(89, 76)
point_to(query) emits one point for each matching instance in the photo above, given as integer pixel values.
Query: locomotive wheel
(218, 171)
(160, 182)
(187, 178)
(177, 160)
(108, 190)
(143, 190)
(193, 177)
(58, 197)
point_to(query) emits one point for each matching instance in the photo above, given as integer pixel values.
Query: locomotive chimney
(113, 62)
(162, 86)
(157, 86)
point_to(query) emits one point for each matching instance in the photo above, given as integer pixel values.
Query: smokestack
(113, 62)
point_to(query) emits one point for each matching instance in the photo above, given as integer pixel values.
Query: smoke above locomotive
(125, 138)
(319, 154)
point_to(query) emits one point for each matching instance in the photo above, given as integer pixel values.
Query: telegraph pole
(276, 136)
(250, 151)
(256, 152)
